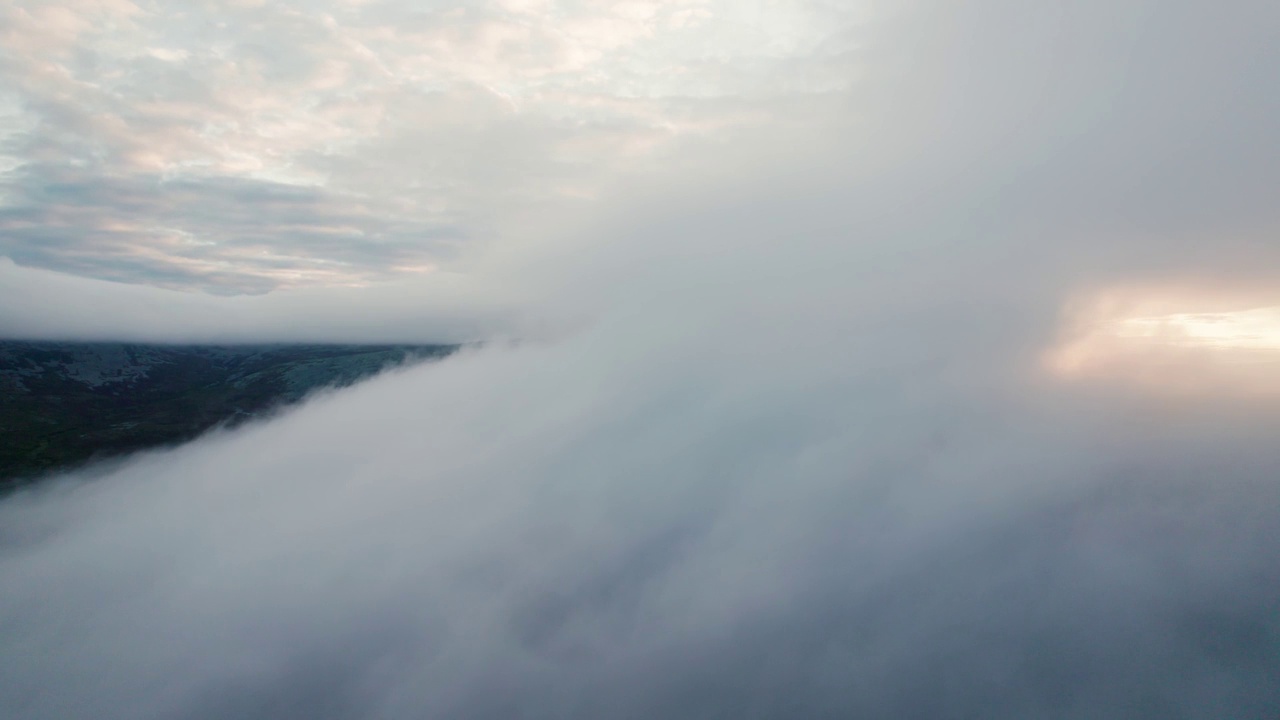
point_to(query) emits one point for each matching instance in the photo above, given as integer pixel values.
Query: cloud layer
(241, 147)
(776, 443)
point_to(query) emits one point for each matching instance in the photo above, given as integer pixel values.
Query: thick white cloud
(778, 444)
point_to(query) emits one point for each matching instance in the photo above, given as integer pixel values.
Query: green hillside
(63, 404)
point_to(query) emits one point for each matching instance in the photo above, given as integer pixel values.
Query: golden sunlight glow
(1255, 329)
(1181, 340)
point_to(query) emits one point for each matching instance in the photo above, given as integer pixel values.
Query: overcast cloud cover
(762, 429)
(244, 146)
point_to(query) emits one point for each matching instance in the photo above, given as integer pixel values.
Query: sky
(866, 359)
(243, 147)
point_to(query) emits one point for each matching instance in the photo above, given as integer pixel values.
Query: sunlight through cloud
(1173, 339)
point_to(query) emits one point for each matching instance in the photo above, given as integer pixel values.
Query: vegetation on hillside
(63, 404)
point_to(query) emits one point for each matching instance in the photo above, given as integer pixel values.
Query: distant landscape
(65, 404)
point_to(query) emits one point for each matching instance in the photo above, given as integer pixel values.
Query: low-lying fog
(777, 441)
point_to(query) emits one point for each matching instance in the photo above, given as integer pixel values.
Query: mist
(763, 434)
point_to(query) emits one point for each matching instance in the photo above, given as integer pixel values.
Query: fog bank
(776, 440)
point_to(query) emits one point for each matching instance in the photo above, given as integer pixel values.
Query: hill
(63, 404)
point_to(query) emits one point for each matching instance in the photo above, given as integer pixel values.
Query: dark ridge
(63, 404)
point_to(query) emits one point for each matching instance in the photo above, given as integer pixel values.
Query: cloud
(439, 121)
(42, 304)
(783, 449)
(227, 235)
(866, 514)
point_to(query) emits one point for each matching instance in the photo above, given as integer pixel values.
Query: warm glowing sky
(1197, 340)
